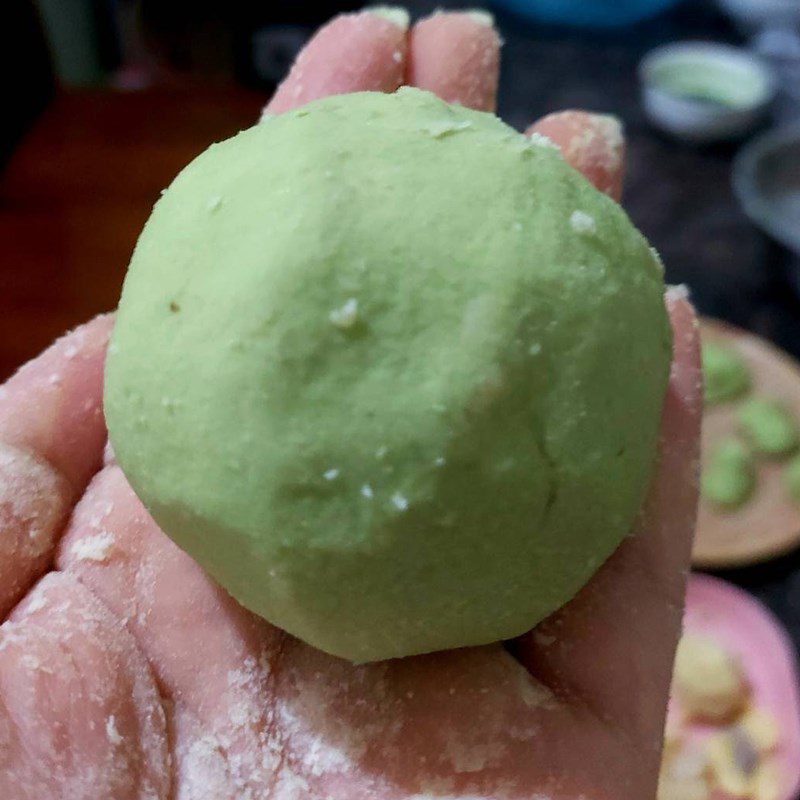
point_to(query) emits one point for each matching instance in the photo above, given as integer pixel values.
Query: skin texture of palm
(126, 673)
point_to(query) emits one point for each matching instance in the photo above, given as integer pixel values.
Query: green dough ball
(730, 476)
(791, 478)
(769, 427)
(391, 373)
(724, 372)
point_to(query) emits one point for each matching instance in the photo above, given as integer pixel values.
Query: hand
(126, 673)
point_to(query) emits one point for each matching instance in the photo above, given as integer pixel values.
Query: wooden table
(77, 192)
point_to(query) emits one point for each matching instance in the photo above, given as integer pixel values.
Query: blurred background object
(106, 100)
(751, 15)
(733, 727)
(766, 177)
(703, 91)
(23, 54)
(588, 13)
(72, 31)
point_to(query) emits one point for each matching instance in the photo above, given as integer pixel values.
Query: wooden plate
(769, 523)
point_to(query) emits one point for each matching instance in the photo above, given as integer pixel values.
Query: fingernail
(676, 293)
(481, 16)
(611, 129)
(686, 375)
(397, 15)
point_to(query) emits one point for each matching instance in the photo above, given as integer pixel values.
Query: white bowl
(766, 179)
(704, 91)
(753, 14)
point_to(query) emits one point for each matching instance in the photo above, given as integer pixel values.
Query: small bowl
(766, 179)
(704, 91)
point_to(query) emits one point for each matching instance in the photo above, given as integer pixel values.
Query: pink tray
(743, 625)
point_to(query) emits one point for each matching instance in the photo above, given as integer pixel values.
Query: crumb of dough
(708, 680)
(731, 764)
(685, 773)
(767, 783)
(761, 728)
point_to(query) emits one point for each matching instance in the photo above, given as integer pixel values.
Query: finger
(457, 57)
(611, 648)
(34, 503)
(51, 439)
(212, 658)
(80, 716)
(352, 53)
(53, 405)
(591, 143)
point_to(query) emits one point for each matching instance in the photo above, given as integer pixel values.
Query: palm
(126, 673)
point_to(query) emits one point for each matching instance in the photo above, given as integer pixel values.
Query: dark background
(83, 166)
